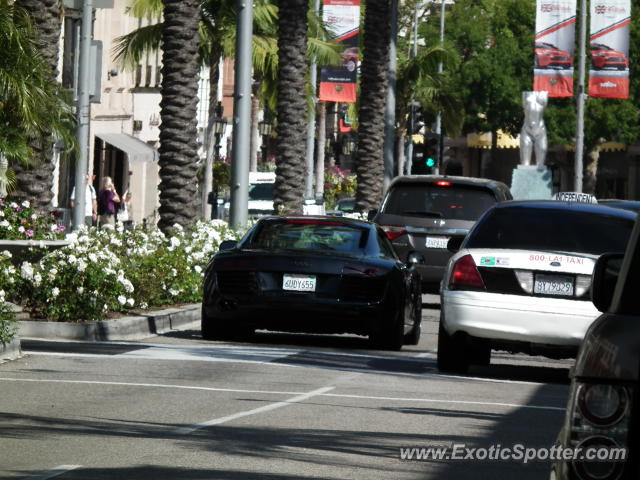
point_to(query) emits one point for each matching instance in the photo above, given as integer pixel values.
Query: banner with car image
(609, 48)
(338, 84)
(554, 45)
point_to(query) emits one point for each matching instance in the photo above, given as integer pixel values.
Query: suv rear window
(551, 229)
(456, 202)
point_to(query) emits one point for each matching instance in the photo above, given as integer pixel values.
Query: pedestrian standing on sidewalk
(91, 204)
(107, 203)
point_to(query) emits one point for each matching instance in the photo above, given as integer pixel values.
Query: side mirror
(371, 214)
(228, 245)
(415, 258)
(454, 243)
(603, 282)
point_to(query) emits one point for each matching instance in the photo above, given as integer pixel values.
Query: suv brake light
(393, 232)
(465, 274)
(443, 183)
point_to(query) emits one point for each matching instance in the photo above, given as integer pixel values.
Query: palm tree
(32, 106)
(178, 130)
(373, 94)
(34, 182)
(291, 107)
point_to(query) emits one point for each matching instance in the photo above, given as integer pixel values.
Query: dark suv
(603, 413)
(422, 212)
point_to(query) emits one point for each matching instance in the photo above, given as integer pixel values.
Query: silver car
(521, 280)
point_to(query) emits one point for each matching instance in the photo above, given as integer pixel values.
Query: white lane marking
(274, 392)
(266, 408)
(300, 364)
(54, 472)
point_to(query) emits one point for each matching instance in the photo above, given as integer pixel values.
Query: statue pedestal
(529, 183)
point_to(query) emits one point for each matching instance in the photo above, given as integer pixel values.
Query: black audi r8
(313, 275)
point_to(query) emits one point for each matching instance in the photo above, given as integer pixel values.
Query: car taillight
(393, 232)
(465, 274)
(443, 183)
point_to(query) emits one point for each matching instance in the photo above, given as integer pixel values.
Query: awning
(136, 150)
(483, 140)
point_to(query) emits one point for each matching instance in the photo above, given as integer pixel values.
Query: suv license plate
(553, 285)
(299, 283)
(437, 242)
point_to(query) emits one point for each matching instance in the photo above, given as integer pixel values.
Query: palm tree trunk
(373, 93)
(291, 106)
(178, 130)
(35, 181)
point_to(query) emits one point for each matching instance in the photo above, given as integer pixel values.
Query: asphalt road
(280, 407)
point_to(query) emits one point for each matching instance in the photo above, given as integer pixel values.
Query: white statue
(533, 134)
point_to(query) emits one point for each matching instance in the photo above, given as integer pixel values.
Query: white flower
(21, 229)
(2, 294)
(26, 271)
(5, 224)
(34, 217)
(122, 299)
(173, 292)
(6, 254)
(82, 265)
(26, 204)
(130, 302)
(198, 268)
(37, 279)
(80, 290)
(175, 242)
(93, 257)
(55, 291)
(174, 272)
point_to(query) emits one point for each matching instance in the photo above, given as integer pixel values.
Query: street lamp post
(264, 129)
(219, 127)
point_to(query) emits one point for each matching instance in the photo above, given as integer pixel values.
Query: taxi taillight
(465, 274)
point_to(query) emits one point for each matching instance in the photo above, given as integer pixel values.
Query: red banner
(609, 46)
(554, 40)
(338, 84)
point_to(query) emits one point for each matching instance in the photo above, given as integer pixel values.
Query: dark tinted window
(550, 229)
(456, 202)
(261, 191)
(310, 235)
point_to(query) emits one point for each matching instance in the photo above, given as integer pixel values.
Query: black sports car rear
(313, 274)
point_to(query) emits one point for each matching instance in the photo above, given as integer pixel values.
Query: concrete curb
(125, 328)
(11, 350)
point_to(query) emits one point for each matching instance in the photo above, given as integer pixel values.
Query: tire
(453, 352)
(390, 336)
(212, 329)
(480, 351)
(413, 337)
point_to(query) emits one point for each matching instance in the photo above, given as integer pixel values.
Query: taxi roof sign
(575, 197)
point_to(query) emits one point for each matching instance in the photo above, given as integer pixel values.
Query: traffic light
(431, 145)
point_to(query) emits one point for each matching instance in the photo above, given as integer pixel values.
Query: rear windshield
(456, 202)
(261, 191)
(549, 229)
(310, 235)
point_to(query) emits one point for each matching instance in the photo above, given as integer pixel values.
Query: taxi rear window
(451, 201)
(549, 229)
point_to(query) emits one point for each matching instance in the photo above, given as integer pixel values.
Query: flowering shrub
(21, 222)
(116, 270)
(338, 184)
(7, 321)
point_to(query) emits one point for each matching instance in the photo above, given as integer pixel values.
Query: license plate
(437, 242)
(553, 285)
(299, 283)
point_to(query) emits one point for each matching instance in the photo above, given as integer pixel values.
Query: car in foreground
(313, 274)
(603, 411)
(604, 57)
(548, 55)
(521, 279)
(422, 212)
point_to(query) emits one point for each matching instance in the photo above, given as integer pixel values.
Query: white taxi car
(520, 281)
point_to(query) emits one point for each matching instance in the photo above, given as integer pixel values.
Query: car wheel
(413, 337)
(452, 352)
(480, 351)
(390, 335)
(212, 329)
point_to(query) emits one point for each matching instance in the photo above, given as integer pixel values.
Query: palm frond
(131, 48)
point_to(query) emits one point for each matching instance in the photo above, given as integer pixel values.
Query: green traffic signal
(430, 162)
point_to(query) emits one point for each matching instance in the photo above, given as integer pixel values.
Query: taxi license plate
(553, 285)
(437, 242)
(299, 283)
